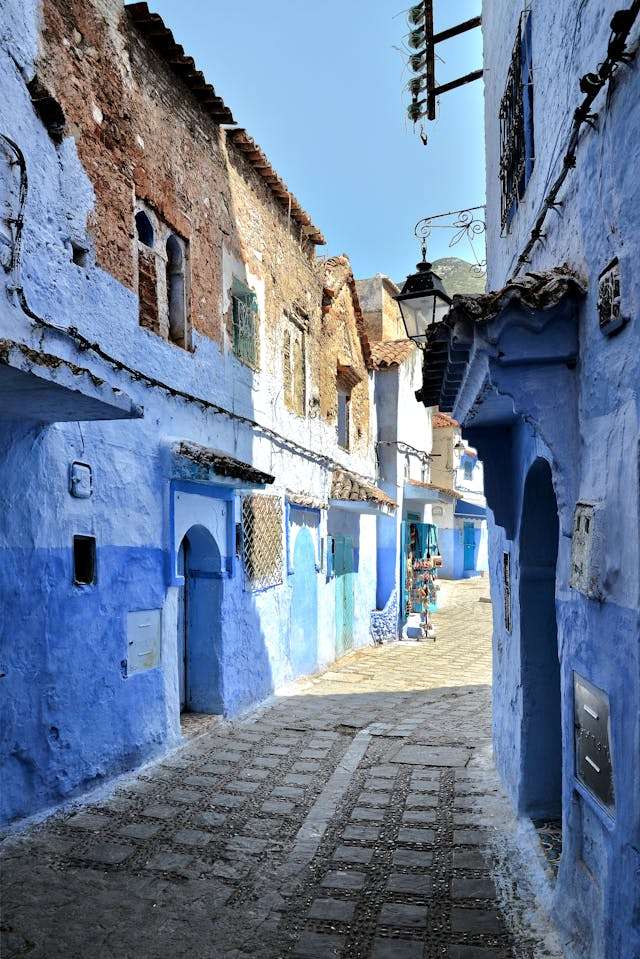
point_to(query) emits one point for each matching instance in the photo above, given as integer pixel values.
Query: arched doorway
(304, 606)
(541, 753)
(200, 623)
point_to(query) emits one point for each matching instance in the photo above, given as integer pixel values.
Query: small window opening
(468, 471)
(343, 430)
(84, 560)
(79, 254)
(144, 228)
(176, 299)
(48, 109)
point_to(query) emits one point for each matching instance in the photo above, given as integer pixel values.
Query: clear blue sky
(319, 85)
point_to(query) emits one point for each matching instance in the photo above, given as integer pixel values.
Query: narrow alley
(358, 814)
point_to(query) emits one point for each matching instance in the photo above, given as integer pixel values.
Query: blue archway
(200, 623)
(541, 753)
(304, 606)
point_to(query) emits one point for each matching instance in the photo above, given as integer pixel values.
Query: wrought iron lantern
(422, 301)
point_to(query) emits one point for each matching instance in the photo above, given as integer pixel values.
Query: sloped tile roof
(217, 463)
(257, 159)
(390, 353)
(348, 486)
(306, 501)
(521, 299)
(434, 486)
(153, 27)
(160, 37)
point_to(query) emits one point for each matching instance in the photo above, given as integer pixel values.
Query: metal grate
(506, 582)
(245, 328)
(516, 154)
(262, 541)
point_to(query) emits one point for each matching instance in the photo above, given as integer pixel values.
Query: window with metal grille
(516, 124)
(245, 324)
(262, 541)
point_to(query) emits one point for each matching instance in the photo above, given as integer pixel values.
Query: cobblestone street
(357, 815)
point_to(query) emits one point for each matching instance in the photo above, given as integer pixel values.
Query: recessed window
(517, 155)
(176, 292)
(344, 417)
(84, 560)
(48, 109)
(245, 324)
(468, 471)
(79, 254)
(294, 366)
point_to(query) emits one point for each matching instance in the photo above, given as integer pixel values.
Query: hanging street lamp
(423, 301)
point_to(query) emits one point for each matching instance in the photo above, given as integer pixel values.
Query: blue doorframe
(469, 547)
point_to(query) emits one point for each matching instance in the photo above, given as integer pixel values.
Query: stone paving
(357, 815)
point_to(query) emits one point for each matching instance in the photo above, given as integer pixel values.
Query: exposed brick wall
(341, 347)
(141, 134)
(147, 291)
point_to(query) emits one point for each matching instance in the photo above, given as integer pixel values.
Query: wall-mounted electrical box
(144, 630)
(594, 767)
(586, 550)
(80, 480)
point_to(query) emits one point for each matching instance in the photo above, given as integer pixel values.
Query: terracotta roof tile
(434, 486)
(215, 463)
(257, 159)
(348, 486)
(162, 40)
(440, 421)
(390, 353)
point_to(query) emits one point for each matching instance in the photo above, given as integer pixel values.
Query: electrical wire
(86, 345)
(591, 84)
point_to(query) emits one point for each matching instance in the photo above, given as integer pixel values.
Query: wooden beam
(457, 30)
(453, 84)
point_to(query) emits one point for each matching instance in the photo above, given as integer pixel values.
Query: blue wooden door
(469, 547)
(303, 643)
(182, 628)
(344, 573)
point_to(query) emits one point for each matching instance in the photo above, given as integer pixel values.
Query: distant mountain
(458, 275)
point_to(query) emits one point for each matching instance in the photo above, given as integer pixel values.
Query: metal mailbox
(144, 629)
(594, 768)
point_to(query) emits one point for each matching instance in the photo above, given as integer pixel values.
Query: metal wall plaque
(609, 313)
(585, 551)
(506, 589)
(594, 766)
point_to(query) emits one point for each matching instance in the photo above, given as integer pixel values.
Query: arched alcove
(176, 292)
(200, 623)
(144, 228)
(541, 753)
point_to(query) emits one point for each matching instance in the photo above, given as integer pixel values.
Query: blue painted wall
(451, 543)
(585, 422)
(72, 715)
